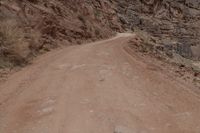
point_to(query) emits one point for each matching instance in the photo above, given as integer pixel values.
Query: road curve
(96, 88)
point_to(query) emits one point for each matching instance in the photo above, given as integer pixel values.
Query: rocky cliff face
(175, 25)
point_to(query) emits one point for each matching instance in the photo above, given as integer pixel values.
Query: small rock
(196, 74)
(122, 129)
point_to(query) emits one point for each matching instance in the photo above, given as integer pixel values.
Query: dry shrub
(13, 47)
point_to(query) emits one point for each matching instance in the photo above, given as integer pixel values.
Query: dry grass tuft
(13, 45)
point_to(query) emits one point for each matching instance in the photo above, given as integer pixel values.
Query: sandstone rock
(178, 20)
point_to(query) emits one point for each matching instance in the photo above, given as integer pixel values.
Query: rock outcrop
(174, 24)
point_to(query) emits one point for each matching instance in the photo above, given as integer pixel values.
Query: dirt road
(96, 88)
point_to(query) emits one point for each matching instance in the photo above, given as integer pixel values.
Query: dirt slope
(97, 88)
(29, 27)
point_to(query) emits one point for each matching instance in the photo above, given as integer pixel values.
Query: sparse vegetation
(11, 41)
(14, 44)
